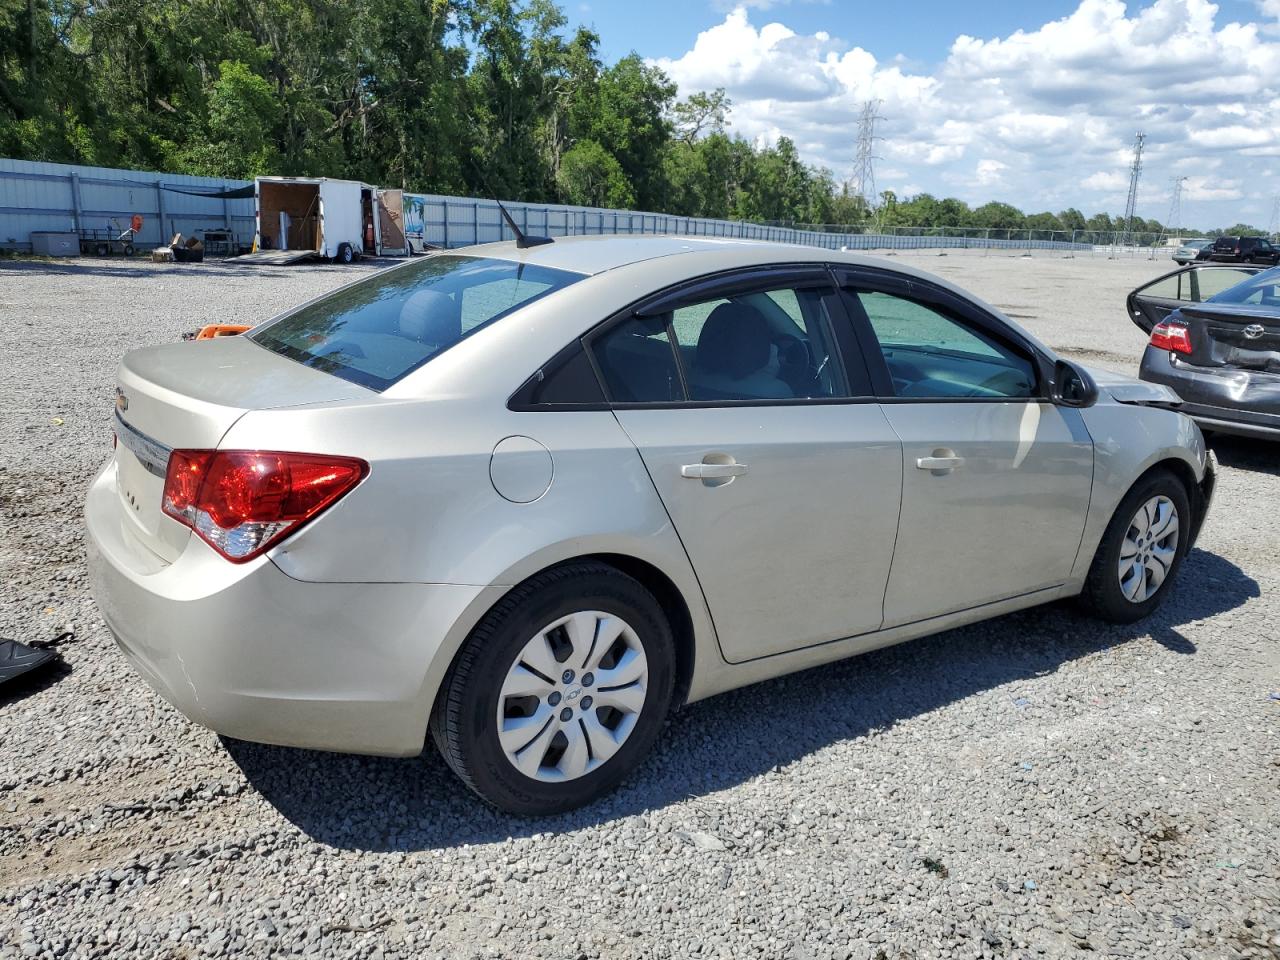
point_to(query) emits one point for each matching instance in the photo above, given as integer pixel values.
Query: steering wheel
(795, 363)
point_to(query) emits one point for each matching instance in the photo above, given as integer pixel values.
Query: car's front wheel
(1141, 550)
(559, 692)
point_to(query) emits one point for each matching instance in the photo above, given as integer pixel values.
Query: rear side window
(1262, 289)
(637, 363)
(765, 345)
(379, 330)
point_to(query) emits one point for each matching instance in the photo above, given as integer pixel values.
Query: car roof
(591, 255)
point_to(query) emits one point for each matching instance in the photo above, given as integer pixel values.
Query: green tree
(238, 136)
(998, 216)
(589, 176)
(1072, 219)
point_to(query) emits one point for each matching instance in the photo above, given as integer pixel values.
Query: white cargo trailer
(340, 220)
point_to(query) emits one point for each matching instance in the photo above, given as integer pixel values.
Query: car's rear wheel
(559, 692)
(1141, 550)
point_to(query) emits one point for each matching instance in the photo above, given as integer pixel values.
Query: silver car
(1190, 250)
(532, 499)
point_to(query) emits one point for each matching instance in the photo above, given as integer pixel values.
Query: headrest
(735, 341)
(429, 316)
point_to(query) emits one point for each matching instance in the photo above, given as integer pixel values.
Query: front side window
(933, 355)
(764, 345)
(379, 330)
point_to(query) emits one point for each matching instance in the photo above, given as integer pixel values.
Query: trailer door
(339, 216)
(391, 222)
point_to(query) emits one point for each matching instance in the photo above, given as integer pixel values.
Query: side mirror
(1072, 386)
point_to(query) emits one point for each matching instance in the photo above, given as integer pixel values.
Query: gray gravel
(1035, 786)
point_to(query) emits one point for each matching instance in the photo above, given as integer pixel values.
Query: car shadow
(728, 739)
(1246, 453)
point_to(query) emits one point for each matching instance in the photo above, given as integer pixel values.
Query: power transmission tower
(1135, 174)
(864, 174)
(1173, 223)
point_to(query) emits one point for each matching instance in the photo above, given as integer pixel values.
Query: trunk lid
(187, 395)
(1243, 336)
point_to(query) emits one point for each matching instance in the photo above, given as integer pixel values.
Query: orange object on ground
(221, 330)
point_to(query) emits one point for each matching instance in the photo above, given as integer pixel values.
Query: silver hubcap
(572, 696)
(1146, 556)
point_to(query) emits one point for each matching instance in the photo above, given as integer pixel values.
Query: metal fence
(1141, 242)
(455, 221)
(58, 197)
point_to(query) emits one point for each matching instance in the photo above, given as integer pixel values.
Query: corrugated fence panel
(43, 196)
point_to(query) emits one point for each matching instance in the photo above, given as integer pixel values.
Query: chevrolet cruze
(528, 499)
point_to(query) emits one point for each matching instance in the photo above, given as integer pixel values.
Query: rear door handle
(939, 463)
(712, 471)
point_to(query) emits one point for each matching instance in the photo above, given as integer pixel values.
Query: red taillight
(1171, 336)
(243, 502)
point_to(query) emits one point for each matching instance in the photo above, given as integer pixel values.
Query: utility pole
(864, 174)
(1135, 174)
(1173, 223)
(1274, 222)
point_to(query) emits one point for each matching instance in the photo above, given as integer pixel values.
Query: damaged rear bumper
(1222, 399)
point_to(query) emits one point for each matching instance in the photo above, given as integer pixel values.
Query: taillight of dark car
(1171, 336)
(244, 502)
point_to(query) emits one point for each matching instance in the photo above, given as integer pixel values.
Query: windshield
(1262, 289)
(377, 331)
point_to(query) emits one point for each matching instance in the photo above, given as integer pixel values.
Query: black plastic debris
(18, 659)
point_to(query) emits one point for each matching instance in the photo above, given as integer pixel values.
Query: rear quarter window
(379, 330)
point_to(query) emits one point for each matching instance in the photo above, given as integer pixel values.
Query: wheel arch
(1129, 442)
(690, 623)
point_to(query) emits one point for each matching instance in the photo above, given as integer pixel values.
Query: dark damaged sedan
(1221, 354)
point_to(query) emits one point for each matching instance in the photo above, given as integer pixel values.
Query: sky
(1034, 103)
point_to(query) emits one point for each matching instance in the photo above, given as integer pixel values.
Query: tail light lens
(244, 502)
(1171, 336)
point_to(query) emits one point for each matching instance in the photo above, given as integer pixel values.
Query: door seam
(711, 617)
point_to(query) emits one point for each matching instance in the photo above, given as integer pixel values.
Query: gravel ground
(1039, 785)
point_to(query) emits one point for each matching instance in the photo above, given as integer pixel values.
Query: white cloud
(1105, 181)
(989, 171)
(1023, 117)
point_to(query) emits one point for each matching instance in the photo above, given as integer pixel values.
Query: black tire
(128, 250)
(346, 254)
(464, 718)
(102, 250)
(1102, 595)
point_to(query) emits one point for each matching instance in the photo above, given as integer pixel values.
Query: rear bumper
(1225, 399)
(256, 655)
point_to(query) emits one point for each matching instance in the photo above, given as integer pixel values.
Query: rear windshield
(377, 331)
(1225, 243)
(1262, 289)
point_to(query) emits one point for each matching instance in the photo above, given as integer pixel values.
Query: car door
(777, 467)
(1154, 301)
(996, 479)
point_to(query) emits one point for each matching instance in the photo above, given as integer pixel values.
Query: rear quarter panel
(429, 512)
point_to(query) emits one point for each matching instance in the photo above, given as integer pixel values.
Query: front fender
(1128, 441)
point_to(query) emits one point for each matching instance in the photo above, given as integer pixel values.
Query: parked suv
(1241, 250)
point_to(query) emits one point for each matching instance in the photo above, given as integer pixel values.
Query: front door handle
(939, 463)
(712, 471)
